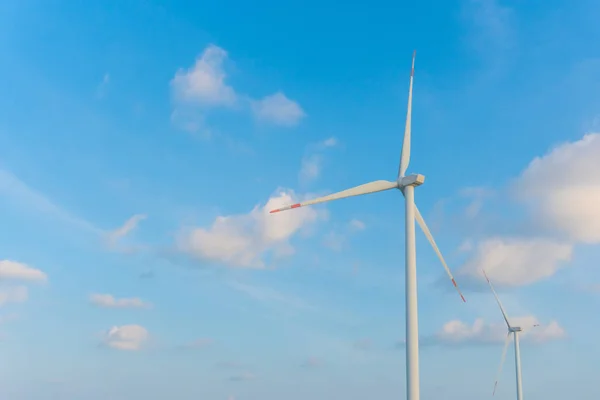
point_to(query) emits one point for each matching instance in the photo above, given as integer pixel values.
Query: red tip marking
(454, 282)
(295, 205)
(273, 211)
(463, 298)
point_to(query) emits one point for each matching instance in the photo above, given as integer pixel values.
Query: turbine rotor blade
(405, 155)
(497, 299)
(429, 236)
(501, 362)
(371, 187)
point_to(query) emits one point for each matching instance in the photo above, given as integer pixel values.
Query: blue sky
(142, 141)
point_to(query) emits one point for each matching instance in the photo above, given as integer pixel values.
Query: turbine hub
(411, 180)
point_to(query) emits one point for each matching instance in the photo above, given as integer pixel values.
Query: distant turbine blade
(497, 300)
(501, 362)
(405, 155)
(372, 187)
(427, 233)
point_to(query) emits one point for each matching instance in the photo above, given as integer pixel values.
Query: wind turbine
(406, 184)
(514, 330)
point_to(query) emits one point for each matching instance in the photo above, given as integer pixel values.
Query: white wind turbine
(515, 330)
(406, 184)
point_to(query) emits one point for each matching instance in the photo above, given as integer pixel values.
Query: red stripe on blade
(295, 205)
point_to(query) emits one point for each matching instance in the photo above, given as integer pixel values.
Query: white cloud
(109, 301)
(19, 271)
(118, 234)
(457, 332)
(202, 87)
(243, 240)
(563, 189)
(204, 83)
(278, 109)
(18, 294)
(517, 261)
(126, 337)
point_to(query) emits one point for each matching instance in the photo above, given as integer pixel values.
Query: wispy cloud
(243, 376)
(312, 162)
(459, 333)
(477, 196)
(126, 337)
(102, 88)
(278, 109)
(17, 294)
(337, 240)
(492, 26)
(266, 294)
(25, 196)
(114, 238)
(19, 271)
(109, 301)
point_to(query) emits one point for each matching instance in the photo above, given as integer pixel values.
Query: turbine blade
(497, 299)
(405, 155)
(501, 362)
(427, 233)
(371, 187)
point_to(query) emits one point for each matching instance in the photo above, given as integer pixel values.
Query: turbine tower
(406, 184)
(514, 330)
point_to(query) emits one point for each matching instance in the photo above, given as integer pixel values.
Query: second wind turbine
(514, 330)
(406, 184)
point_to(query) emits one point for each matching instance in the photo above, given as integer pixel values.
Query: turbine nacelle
(410, 180)
(515, 329)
